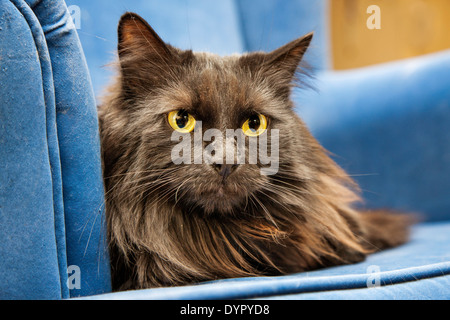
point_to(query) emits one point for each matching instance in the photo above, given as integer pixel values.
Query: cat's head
(166, 97)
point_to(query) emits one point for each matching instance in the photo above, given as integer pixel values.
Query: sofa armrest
(51, 186)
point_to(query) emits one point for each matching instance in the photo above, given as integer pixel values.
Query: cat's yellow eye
(255, 126)
(181, 121)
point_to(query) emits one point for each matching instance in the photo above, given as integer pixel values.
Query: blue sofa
(387, 125)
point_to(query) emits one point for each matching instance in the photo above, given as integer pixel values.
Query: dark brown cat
(174, 224)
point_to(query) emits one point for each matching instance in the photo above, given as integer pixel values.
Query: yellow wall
(408, 28)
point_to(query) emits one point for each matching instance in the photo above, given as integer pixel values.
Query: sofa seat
(419, 269)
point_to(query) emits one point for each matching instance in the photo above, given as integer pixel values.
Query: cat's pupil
(254, 123)
(182, 119)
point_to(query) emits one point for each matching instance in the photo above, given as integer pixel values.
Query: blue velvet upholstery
(267, 25)
(421, 268)
(386, 124)
(186, 24)
(51, 189)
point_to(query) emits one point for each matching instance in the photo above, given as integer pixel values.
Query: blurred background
(381, 98)
(408, 28)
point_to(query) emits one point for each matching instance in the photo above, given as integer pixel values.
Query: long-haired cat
(174, 224)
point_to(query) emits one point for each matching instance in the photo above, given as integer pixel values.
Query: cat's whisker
(266, 212)
(178, 189)
(274, 200)
(135, 172)
(154, 178)
(147, 187)
(296, 188)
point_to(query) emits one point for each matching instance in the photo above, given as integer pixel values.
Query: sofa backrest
(222, 27)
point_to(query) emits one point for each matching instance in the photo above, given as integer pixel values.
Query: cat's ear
(280, 66)
(136, 36)
(288, 57)
(145, 60)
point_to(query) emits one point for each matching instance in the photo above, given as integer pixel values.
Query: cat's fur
(177, 224)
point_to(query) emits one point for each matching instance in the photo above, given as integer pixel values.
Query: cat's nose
(225, 170)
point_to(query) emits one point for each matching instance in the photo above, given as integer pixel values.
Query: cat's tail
(385, 228)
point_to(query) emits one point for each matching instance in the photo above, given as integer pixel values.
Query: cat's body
(174, 224)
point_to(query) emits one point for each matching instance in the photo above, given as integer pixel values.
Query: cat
(175, 224)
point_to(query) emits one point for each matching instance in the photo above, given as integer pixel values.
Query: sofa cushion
(387, 125)
(269, 24)
(418, 269)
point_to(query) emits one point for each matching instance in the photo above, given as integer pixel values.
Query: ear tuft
(289, 56)
(136, 34)
(145, 60)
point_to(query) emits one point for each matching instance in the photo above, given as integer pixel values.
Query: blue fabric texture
(421, 268)
(201, 25)
(32, 263)
(269, 24)
(386, 125)
(51, 189)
